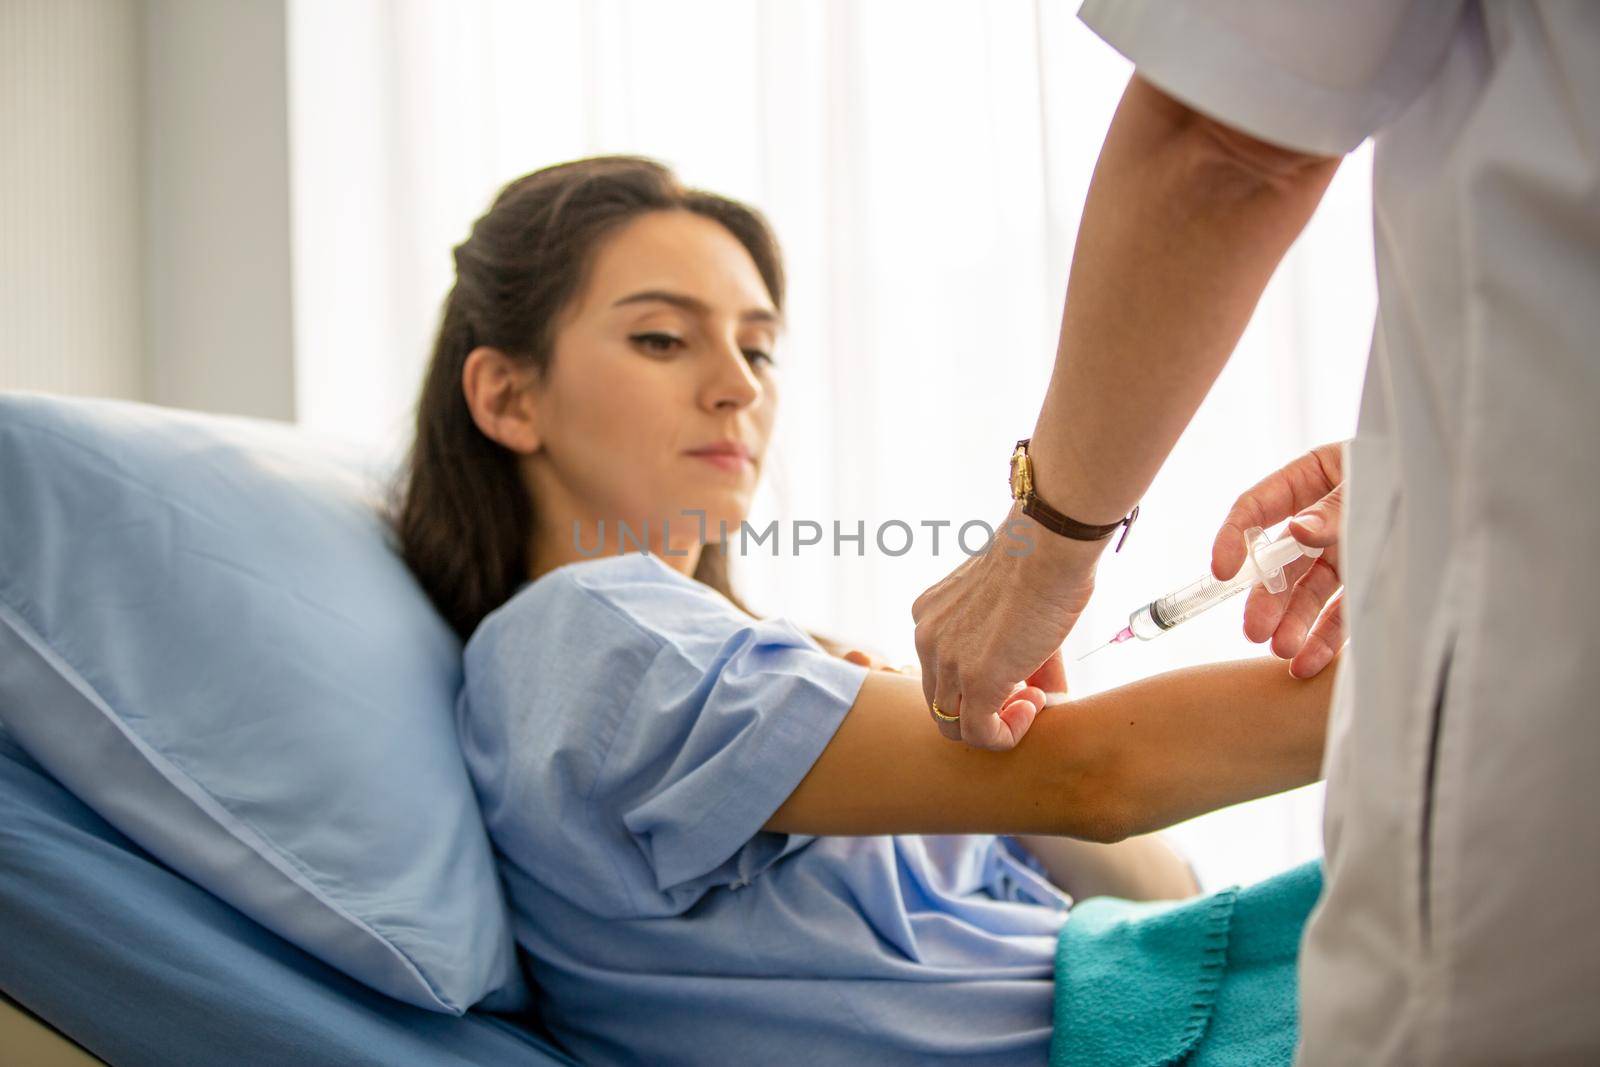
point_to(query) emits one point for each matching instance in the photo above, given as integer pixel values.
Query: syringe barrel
(1144, 625)
(1196, 598)
(1264, 562)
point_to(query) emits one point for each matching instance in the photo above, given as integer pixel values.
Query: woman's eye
(754, 354)
(657, 342)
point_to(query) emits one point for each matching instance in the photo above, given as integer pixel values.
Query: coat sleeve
(1305, 74)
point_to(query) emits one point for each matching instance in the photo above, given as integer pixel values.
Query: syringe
(1264, 562)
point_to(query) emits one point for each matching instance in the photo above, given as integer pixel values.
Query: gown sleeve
(629, 731)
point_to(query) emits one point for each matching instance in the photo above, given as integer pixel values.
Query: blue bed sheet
(141, 966)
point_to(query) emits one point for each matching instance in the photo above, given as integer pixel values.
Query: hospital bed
(117, 943)
(106, 953)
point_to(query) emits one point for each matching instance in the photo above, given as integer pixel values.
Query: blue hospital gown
(629, 731)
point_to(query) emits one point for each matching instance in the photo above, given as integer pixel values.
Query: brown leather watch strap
(1053, 520)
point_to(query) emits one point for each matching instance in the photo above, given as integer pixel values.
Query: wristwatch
(1049, 517)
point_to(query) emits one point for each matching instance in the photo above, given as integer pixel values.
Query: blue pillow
(206, 634)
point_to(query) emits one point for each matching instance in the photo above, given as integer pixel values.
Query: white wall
(219, 323)
(71, 314)
(144, 202)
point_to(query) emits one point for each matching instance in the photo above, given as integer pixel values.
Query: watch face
(1021, 475)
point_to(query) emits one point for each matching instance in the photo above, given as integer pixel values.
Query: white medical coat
(1460, 923)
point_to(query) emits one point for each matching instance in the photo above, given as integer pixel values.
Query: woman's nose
(732, 383)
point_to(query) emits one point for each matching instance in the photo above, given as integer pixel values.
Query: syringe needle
(1126, 634)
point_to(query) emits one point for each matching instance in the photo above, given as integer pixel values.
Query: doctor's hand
(989, 634)
(1306, 621)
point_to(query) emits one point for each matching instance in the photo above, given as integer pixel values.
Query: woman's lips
(728, 461)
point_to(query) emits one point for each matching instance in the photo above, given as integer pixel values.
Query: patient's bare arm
(1101, 768)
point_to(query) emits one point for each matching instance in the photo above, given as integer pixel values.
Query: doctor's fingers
(1326, 639)
(946, 701)
(1263, 611)
(1051, 676)
(1280, 495)
(1306, 602)
(1318, 525)
(982, 725)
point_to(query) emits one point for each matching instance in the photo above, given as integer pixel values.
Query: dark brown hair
(463, 517)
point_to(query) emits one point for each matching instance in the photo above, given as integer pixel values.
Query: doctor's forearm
(1184, 224)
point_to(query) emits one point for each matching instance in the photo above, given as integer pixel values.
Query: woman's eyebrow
(696, 305)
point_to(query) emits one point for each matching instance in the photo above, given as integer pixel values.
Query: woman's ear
(500, 394)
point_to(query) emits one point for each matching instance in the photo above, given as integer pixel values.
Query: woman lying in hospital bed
(721, 840)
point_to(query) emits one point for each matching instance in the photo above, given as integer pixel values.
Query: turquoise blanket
(1204, 983)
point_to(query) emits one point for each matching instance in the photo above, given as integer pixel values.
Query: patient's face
(665, 352)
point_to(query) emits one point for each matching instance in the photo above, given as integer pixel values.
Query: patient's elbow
(1105, 823)
(1109, 819)
(1097, 808)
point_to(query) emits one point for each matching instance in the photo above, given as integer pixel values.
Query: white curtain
(925, 166)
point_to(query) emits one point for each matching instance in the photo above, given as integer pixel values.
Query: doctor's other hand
(989, 634)
(1305, 622)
